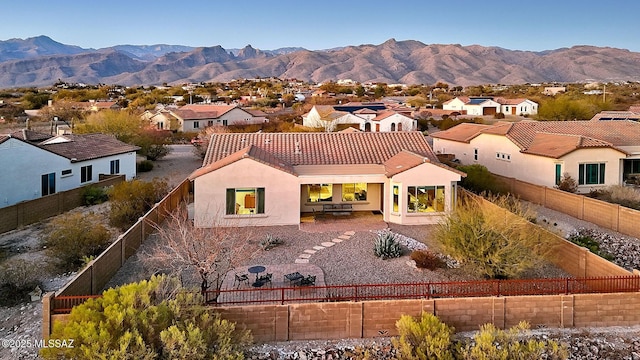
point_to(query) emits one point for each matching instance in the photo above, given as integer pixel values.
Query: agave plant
(386, 246)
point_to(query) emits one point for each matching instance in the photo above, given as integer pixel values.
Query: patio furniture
(265, 278)
(309, 280)
(293, 277)
(240, 278)
(256, 270)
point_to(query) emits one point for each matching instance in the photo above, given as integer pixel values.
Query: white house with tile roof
(271, 178)
(594, 153)
(365, 119)
(488, 105)
(519, 107)
(35, 165)
(195, 117)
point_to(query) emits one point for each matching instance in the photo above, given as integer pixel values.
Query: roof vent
(267, 141)
(297, 149)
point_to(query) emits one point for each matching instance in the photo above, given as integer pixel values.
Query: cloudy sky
(516, 25)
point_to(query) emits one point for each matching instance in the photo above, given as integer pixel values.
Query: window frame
(48, 184)
(86, 174)
(355, 195)
(586, 173)
(114, 167)
(438, 201)
(231, 207)
(319, 198)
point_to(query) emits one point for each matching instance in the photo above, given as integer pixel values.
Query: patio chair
(309, 280)
(265, 278)
(240, 278)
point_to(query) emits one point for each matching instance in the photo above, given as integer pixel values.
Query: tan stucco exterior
(286, 195)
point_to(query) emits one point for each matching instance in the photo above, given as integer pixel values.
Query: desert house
(271, 178)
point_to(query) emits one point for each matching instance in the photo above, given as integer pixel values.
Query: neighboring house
(594, 153)
(35, 165)
(162, 119)
(616, 115)
(554, 90)
(364, 118)
(93, 105)
(519, 107)
(261, 179)
(487, 105)
(195, 117)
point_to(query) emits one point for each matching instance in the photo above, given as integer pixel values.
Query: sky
(511, 24)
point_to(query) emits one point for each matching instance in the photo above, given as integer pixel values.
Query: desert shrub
(73, 236)
(386, 246)
(92, 195)
(426, 338)
(426, 259)
(479, 180)
(491, 343)
(19, 277)
(147, 320)
(496, 243)
(567, 183)
(132, 199)
(585, 239)
(618, 194)
(145, 166)
(270, 242)
(498, 115)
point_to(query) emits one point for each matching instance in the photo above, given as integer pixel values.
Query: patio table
(293, 277)
(256, 270)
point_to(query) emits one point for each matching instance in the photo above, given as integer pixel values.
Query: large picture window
(320, 192)
(425, 199)
(354, 192)
(245, 201)
(591, 174)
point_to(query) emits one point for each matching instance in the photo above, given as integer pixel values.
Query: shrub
(568, 184)
(492, 343)
(479, 180)
(428, 338)
(618, 194)
(19, 277)
(145, 166)
(426, 259)
(92, 195)
(132, 199)
(152, 319)
(497, 243)
(73, 236)
(270, 242)
(498, 115)
(386, 246)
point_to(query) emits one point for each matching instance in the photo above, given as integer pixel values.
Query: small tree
(154, 144)
(154, 319)
(132, 199)
(479, 180)
(74, 236)
(499, 244)
(209, 252)
(567, 183)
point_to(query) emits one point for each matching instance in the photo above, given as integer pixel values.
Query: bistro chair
(265, 278)
(240, 278)
(309, 280)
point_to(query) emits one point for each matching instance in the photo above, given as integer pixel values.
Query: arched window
(399, 126)
(367, 127)
(393, 127)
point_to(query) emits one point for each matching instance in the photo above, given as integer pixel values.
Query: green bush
(426, 259)
(479, 180)
(145, 166)
(568, 184)
(585, 239)
(73, 236)
(426, 339)
(132, 199)
(386, 246)
(154, 319)
(92, 195)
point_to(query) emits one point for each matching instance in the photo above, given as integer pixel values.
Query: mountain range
(41, 61)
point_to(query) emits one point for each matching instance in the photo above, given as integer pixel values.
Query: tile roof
(85, 147)
(384, 114)
(553, 138)
(198, 111)
(322, 148)
(616, 115)
(462, 133)
(30, 135)
(505, 101)
(403, 161)
(252, 152)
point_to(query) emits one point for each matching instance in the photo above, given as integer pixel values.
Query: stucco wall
(282, 194)
(423, 175)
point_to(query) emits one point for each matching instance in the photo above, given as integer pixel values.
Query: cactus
(270, 242)
(386, 246)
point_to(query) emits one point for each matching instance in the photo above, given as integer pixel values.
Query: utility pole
(604, 93)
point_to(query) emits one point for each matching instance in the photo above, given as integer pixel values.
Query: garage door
(489, 111)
